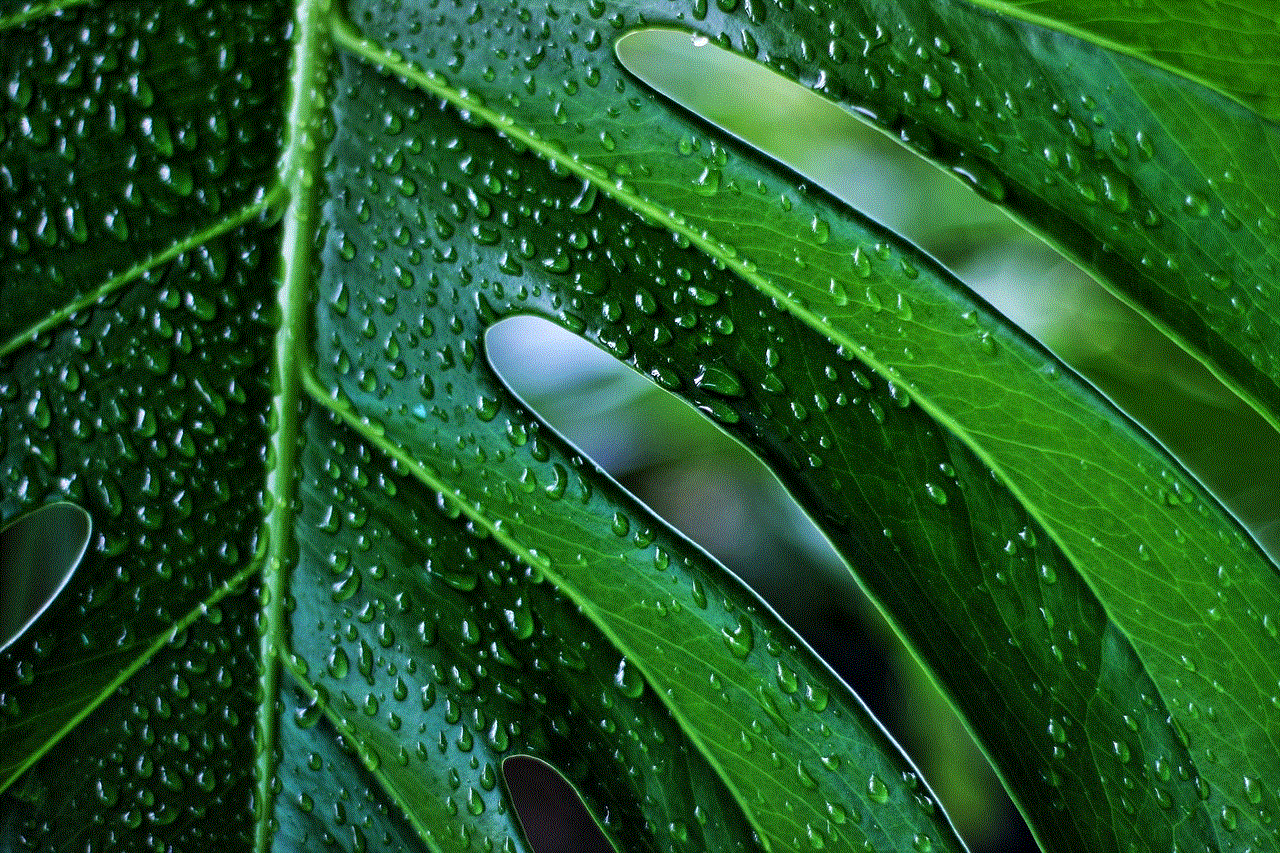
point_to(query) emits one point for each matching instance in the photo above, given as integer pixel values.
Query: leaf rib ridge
(1263, 106)
(196, 613)
(300, 678)
(298, 163)
(377, 438)
(65, 312)
(345, 34)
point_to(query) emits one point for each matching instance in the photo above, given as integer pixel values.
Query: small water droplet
(740, 638)
(1253, 790)
(1196, 205)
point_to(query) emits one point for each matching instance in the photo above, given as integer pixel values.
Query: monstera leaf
(338, 573)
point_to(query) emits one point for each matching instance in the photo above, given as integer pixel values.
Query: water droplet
(740, 639)
(586, 198)
(816, 697)
(708, 183)
(347, 586)
(628, 681)
(339, 664)
(699, 595)
(621, 525)
(861, 263)
(787, 679)
(1196, 205)
(719, 381)
(806, 778)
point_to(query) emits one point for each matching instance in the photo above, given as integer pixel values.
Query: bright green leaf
(1236, 51)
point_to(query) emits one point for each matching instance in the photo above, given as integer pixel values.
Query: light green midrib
(298, 165)
(65, 312)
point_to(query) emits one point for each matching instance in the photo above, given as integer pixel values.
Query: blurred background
(709, 487)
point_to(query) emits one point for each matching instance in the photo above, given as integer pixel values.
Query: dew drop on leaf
(740, 638)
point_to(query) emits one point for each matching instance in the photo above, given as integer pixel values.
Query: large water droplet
(740, 638)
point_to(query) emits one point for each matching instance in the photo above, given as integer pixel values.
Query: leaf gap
(39, 552)
(703, 483)
(1201, 421)
(551, 812)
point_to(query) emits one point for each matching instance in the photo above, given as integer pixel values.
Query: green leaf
(1159, 187)
(339, 572)
(278, 590)
(1237, 52)
(1067, 456)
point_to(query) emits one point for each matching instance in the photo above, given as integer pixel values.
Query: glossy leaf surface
(1237, 53)
(339, 572)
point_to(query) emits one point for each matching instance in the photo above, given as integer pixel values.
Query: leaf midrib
(298, 165)
(37, 11)
(97, 295)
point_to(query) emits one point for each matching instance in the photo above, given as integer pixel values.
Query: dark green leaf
(340, 572)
